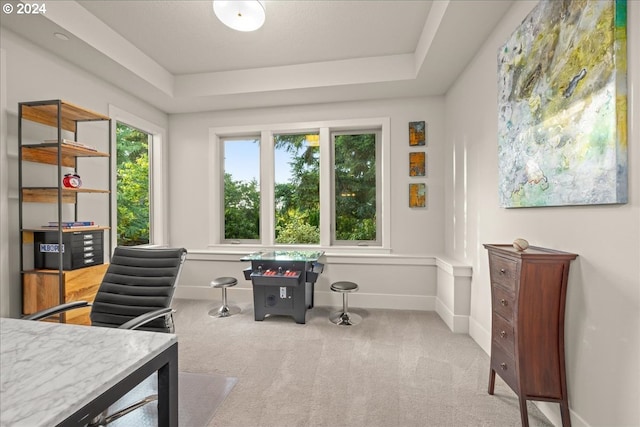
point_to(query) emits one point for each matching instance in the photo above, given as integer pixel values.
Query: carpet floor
(396, 368)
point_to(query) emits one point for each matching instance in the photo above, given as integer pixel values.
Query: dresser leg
(524, 415)
(564, 413)
(492, 380)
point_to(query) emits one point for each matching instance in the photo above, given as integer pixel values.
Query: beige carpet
(396, 368)
(199, 395)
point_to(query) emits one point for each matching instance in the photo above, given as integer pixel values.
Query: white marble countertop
(50, 370)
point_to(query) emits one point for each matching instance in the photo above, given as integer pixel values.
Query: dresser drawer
(504, 364)
(502, 334)
(504, 272)
(503, 302)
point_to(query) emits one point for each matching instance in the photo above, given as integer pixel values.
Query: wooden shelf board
(76, 271)
(46, 113)
(48, 153)
(50, 194)
(68, 229)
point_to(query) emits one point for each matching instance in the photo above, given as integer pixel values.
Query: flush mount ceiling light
(241, 15)
(61, 36)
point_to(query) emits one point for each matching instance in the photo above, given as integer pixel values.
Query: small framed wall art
(417, 195)
(417, 163)
(417, 133)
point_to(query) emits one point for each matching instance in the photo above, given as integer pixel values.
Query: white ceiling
(177, 56)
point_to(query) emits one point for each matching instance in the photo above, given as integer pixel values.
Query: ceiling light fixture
(241, 15)
(61, 36)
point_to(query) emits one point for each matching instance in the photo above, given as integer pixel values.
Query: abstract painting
(562, 106)
(417, 195)
(417, 164)
(417, 133)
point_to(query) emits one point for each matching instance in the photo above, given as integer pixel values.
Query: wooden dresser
(528, 293)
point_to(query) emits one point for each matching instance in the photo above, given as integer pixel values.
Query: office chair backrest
(137, 281)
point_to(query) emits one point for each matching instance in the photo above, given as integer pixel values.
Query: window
(241, 189)
(140, 144)
(301, 184)
(355, 190)
(132, 185)
(297, 188)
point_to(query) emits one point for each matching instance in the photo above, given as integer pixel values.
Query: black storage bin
(80, 249)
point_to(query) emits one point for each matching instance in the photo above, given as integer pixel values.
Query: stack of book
(70, 224)
(74, 143)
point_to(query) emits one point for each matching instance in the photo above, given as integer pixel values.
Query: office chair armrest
(43, 314)
(145, 318)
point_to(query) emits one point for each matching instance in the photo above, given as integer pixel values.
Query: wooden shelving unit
(43, 288)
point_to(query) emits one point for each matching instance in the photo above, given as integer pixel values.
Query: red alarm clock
(72, 180)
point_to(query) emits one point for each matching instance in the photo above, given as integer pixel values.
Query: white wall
(416, 234)
(413, 231)
(33, 74)
(602, 334)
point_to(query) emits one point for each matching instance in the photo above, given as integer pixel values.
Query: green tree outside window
(132, 186)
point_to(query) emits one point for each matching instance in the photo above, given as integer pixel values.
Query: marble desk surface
(50, 370)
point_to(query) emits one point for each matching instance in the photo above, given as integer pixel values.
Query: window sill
(328, 250)
(333, 255)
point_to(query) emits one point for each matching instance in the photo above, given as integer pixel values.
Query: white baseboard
(458, 324)
(552, 412)
(480, 335)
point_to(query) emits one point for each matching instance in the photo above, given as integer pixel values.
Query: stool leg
(224, 297)
(343, 317)
(224, 310)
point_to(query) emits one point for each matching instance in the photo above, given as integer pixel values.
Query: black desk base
(166, 364)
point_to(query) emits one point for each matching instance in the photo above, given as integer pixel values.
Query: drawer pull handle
(503, 302)
(503, 366)
(502, 271)
(503, 334)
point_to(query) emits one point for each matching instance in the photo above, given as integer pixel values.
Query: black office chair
(135, 293)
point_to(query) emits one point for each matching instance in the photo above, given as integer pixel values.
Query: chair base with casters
(344, 318)
(225, 309)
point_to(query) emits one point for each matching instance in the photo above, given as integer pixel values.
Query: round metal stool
(344, 318)
(225, 310)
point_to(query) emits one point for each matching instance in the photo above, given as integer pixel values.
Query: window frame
(222, 140)
(158, 167)
(296, 132)
(378, 152)
(267, 181)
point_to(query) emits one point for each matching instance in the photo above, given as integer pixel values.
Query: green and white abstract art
(562, 106)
